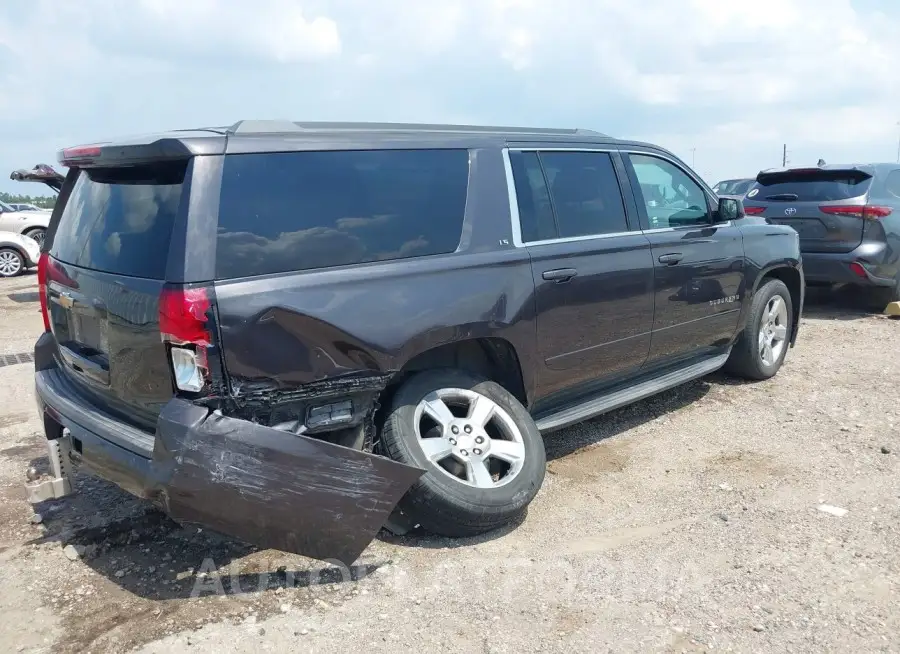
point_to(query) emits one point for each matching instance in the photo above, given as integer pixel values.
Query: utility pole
(784, 156)
(694, 156)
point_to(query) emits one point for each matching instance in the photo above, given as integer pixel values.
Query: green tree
(43, 201)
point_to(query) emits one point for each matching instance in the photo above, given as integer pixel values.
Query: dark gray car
(733, 188)
(848, 219)
(295, 333)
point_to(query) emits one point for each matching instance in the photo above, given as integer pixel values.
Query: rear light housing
(858, 270)
(184, 326)
(80, 154)
(753, 211)
(43, 265)
(864, 211)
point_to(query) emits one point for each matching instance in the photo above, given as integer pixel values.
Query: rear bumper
(834, 268)
(264, 486)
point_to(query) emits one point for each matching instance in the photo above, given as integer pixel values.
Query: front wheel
(762, 345)
(482, 452)
(11, 263)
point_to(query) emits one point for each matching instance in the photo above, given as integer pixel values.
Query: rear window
(810, 186)
(283, 212)
(120, 220)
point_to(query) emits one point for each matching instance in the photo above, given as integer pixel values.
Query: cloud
(734, 80)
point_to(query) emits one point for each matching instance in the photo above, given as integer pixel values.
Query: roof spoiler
(40, 173)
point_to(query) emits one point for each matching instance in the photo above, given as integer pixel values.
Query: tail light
(753, 211)
(858, 270)
(183, 323)
(864, 211)
(43, 264)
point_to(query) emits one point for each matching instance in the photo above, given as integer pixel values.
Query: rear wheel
(483, 455)
(38, 234)
(764, 341)
(11, 263)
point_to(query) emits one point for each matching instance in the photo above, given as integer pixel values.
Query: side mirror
(729, 209)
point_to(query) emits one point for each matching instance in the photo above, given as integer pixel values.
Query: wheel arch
(792, 277)
(494, 357)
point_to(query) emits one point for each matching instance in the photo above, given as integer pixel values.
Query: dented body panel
(285, 337)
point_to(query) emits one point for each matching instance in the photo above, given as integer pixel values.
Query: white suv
(30, 223)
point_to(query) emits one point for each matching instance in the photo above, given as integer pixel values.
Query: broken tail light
(183, 324)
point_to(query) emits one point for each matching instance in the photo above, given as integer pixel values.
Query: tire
(37, 234)
(12, 263)
(442, 501)
(746, 358)
(883, 296)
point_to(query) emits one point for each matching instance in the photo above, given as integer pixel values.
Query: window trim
(515, 218)
(693, 176)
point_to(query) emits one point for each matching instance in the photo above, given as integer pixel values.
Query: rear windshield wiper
(787, 197)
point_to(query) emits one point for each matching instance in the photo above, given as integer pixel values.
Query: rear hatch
(105, 273)
(826, 206)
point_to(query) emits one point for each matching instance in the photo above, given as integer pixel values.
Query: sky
(723, 83)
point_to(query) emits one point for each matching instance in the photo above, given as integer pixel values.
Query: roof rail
(270, 126)
(263, 126)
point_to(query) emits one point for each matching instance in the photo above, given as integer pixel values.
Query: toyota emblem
(790, 211)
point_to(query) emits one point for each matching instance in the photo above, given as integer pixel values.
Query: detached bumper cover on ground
(267, 487)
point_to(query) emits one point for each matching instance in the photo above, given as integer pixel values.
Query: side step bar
(619, 398)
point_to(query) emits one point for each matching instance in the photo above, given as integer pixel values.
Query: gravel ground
(690, 522)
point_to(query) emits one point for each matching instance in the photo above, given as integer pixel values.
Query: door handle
(671, 259)
(559, 275)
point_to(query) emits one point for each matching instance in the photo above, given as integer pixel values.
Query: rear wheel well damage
(494, 358)
(791, 278)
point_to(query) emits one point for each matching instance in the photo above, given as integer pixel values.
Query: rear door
(824, 206)
(106, 271)
(593, 273)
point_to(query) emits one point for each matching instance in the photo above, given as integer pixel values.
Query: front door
(593, 272)
(699, 265)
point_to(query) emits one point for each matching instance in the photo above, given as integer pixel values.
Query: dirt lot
(689, 522)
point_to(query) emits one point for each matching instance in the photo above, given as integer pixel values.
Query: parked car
(733, 188)
(283, 330)
(25, 206)
(848, 219)
(17, 254)
(32, 224)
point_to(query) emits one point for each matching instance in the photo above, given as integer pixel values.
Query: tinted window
(810, 186)
(120, 220)
(535, 212)
(670, 197)
(302, 210)
(585, 193)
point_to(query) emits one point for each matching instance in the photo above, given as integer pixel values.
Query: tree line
(43, 201)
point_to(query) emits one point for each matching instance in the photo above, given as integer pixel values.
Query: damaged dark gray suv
(296, 333)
